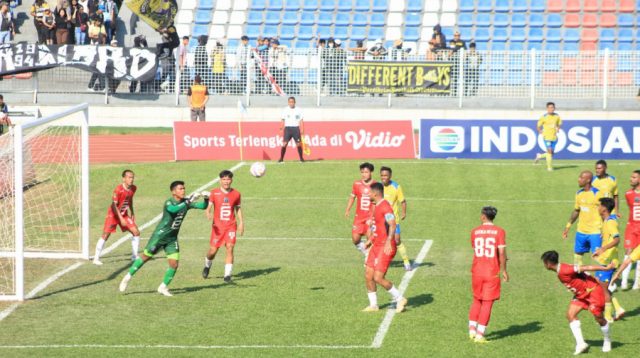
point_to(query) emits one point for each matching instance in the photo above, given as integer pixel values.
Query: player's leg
(152, 247)
(624, 284)
(636, 243)
(135, 238)
(173, 257)
(402, 250)
(474, 310)
(285, 141)
(489, 293)
(604, 277)
(574, 324)
(228, 264)
(371, 289)
(215, 242)
(580, 246)
(359, 230)
(382, 263)
(596, 306)
(298, 139)
(549, 156)
(110, 225)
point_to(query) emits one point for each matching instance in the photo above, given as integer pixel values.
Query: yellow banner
(157, 13)
(399, 77)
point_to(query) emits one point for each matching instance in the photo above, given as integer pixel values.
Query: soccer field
(298, 285)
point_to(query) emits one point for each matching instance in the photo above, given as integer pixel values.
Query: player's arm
(617, 208)
(177, 207)
(624, 265)
(282, 125)
(603, 249)
(133, 215)
(206, 98)
(539, 125)
(403, 203)
(583, 268)
(572, 219)
(502, 257)
(352, 199)
(391, 221)
(301, 125)
(209, 211)
(240, 220)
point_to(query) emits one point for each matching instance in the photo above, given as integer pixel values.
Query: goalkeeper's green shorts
(168, 244)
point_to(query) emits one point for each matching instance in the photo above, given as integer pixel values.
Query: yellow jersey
(607, 185)
(635, 254)
(550, 123)
(609, 233)
(587, 202)
(394, 195)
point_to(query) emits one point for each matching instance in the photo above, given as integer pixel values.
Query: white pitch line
(182, 347)
(7, 311)
(481, 162)
(386, 322)
(457, 200)
(258, 238)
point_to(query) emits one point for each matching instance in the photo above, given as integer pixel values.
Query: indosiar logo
(447, 139)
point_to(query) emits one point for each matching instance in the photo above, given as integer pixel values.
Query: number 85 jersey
(224, 204)
(486, 239)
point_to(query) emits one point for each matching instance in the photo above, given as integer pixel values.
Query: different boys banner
(519, 139)
(399, 77)
(158, 14)
(262, 140)
(114, 62)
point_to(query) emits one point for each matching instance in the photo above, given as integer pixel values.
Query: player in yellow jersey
(607, 184)
(607, 254)
(549, 126)
(394, 195)
(589, 221)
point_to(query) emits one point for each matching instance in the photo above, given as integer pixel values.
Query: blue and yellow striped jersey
(589, 220)
(609, 233)
(394, 195)
(607, 185)
(550, 124)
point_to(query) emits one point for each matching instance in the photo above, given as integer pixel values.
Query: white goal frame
(19, 251)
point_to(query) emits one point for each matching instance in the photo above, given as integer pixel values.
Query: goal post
(44, 194)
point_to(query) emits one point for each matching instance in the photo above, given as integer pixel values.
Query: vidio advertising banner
(262, 140)
(519, 139)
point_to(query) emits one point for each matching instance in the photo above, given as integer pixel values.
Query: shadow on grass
(515, 330)
(112, 276)
(631, 313)
(597, 345)
(413, 264)
(562, 167)
(413, 302)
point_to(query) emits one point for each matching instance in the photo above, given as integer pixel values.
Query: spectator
(200, 58)
(432, 53)
(337, 86)
(37, 11)
(140, 41)
(7, 27)
(243, 53)
(218, 69)
(113, 83)
(170, 41)
(182, 63)
(378, 51)
(110, 13)
(263, 52)
(323, 48)
(89, 7)
(398, 53)
(359, 50)
(454, 57)
(198, 96)
(62, 23)
(438, 38)
(4, 114)
(278, 62)
(81, 22)
(49, 23)
(458, 42)
(97, 32)
(473, 60)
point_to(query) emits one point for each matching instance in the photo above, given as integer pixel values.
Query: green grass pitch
(298, 281)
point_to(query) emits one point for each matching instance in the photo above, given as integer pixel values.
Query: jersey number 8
(485, 247)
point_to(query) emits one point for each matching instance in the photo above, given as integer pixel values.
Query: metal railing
(318, 73)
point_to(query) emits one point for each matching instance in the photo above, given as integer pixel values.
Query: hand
(387, 247)
(611, 265)
(505, 276)
(240, 229)
(597, 253)
(565, 233)
(205, 194)
(193, 197)
(619, 215)
(346, 214)
(403, 215)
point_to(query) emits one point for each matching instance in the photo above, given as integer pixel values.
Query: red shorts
(378, 260)
(111, 222)
(594, 303)
(632, 236)
(360, 226)
(222, 235)
(486, 288)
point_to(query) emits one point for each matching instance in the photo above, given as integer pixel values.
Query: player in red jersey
(360, 195)
(120, 213)
(489, 258)
(588, 295)
(382, 251)
(227, 223)
(632, 232)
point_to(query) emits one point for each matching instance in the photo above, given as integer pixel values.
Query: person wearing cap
(113, 83)
(378, 52)
(338, 64)
(458, 42)
(198, 96)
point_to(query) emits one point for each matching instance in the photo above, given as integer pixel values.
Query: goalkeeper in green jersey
(165, 235)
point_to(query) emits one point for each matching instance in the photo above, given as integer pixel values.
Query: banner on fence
(399, 77)
(262, 140)
(119, 63)
(519, 139)
(156, 13)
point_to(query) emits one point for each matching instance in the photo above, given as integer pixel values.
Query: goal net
(44, 187)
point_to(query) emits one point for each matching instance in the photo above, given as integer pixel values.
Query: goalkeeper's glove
(205, 195)
(193, 197)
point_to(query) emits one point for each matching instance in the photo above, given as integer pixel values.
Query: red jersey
(224, 204)
(486, 239)
(382, 212)
(577, 282)
(360, 191)
(633, 200)
(123, 198)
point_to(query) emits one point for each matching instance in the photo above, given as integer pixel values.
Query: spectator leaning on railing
(458, 42)
(359, 50)
(7, 27)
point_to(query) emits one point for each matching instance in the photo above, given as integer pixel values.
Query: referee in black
(293, 127)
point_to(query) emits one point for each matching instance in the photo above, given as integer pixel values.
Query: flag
(267, 75)
(159, 14)
(241, 108)
(305, 147)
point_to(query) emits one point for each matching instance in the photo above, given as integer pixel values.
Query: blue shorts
(398, 229)
(604, 276)
(587, 243)
(551, 144)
